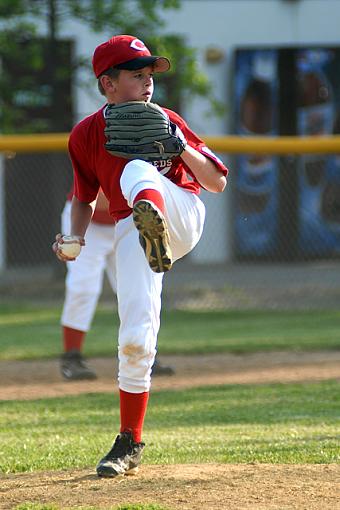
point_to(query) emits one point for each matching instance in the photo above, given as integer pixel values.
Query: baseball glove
(139, 130)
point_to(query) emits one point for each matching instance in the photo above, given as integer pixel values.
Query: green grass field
(269, 423)
(291, 423)
(29, 332)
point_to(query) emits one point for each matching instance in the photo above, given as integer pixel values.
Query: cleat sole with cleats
(153, 236)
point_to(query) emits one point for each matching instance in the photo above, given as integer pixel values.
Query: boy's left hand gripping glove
(140, 130)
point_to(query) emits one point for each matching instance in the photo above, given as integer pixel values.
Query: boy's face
(133, 85)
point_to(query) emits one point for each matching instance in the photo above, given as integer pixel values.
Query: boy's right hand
(67, 248)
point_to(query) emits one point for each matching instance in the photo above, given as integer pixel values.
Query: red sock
(132, 412)
(73, 339)
(152, 195)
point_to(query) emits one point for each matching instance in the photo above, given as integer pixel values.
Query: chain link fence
(272, 239)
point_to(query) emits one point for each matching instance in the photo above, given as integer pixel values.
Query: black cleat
(123, 458)
(159, 369)
(153, 235)
(73, 367)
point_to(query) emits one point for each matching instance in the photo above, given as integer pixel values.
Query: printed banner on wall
(256, 213)
(318, 78)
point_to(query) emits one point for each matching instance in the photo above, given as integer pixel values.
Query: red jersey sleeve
(86, 185)
(196, 142)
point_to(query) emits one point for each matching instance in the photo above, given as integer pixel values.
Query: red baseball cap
(126, 52)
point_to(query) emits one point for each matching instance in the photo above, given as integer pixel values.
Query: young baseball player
(83, 286)
(158, 219)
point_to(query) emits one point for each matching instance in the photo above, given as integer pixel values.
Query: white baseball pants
(138, 287)
(84, 279)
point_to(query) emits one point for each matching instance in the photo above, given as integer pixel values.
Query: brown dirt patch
(179, 487)
(184, 487)
(39, 379)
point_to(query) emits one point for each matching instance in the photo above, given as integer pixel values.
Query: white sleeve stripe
(207, 151)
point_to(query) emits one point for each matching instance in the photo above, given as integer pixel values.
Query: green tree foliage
(26, 55)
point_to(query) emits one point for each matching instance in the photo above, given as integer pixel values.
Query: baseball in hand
(70, 247)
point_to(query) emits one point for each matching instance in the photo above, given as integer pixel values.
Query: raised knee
(136, 353)
(136, 171)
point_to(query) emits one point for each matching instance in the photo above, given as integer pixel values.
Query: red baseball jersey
(95, 167)
(100, 215)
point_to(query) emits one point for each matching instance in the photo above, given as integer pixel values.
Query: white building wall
(230, 24)
(225, 25)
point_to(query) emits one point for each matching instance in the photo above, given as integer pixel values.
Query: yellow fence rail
(57, 142)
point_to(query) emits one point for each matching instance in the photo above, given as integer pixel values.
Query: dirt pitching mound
(183, 487)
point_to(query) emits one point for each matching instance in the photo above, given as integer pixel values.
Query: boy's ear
(107, 83)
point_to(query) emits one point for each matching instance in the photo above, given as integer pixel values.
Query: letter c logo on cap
(136, 44)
